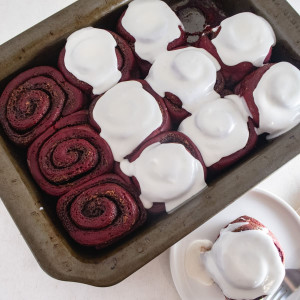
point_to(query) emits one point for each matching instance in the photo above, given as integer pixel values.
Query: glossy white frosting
(91, 57)
(153, 24)
(218, 128)
(277, 97)
(126, 114)
(166, 173)
(245, 264)
(244, 37)
(194, 264)
(189, 73)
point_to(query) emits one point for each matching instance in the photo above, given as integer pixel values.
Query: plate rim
(284, 204)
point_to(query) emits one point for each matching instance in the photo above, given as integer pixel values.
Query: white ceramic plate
(267, 208)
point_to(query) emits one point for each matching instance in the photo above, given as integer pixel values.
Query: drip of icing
(244, 264)
(91, 57)
(244, 37)
(126, 114)
(153, 25)
(166, 173)
(277, 97)
(194, 264)
(218, 128)
(189, 73)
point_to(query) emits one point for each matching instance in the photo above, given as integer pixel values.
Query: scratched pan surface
(56, 253)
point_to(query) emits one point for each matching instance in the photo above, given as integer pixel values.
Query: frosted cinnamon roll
(273, 97)
(222, 131)
(185, 78)
(168, 170)
(246, 261)
(95, 60)
(240, 44)
(128, 114)
(150, 27)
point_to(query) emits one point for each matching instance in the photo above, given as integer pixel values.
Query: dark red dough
(143, 64)
(246, 88)
(254, 224)
(166, 123)
(101, 211)
(34, 100)
(126, 65)
(68, 154)
(174, 104)
(231, 159)
(232, 74)
(176, 111)
(163, 138)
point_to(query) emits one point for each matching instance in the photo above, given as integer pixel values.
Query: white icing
(153, 25)
(91, 57)
(189, 73)
(218, 128)
(126, 114)
(194, 264)
(166, 173)
(277, 97)
(244, 37)
(245, 264)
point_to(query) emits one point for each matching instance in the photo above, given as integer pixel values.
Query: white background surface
(20, 275)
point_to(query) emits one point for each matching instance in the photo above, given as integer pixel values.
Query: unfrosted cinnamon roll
(34, 100)
(68, 154)
(101, 211)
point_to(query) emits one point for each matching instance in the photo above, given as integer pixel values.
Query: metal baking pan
(56, 253)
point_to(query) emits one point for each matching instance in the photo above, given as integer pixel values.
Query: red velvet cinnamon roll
(168, 170)
(222, 130)
(273, 97)
(34, 100)
(185, 78)
(240, 44)
(68, 154)
(150, 27)
(101, 211)
(128, 114)
(95, 60)
(246, 261)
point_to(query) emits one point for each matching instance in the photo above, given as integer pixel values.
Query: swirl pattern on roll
(34, 100)
(67, 154)
(101, 211)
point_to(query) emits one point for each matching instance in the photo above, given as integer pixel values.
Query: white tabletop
(20, 275)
